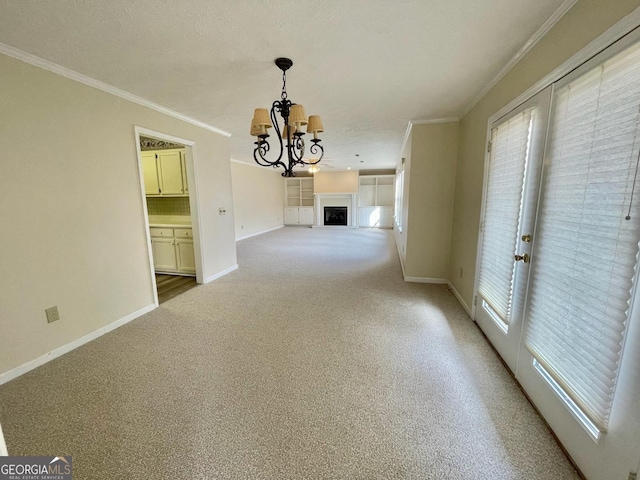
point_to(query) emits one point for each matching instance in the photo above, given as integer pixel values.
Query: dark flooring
(170, 286)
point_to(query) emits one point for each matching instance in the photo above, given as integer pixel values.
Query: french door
(564, 310)
(512, 178)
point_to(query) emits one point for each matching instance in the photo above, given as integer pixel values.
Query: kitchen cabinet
(173, 250)
(165, 173)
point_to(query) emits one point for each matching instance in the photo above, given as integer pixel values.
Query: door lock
(522, 258)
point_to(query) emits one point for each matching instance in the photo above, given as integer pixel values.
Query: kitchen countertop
(169, 221)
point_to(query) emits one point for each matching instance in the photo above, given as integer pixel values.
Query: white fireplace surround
(336, 200)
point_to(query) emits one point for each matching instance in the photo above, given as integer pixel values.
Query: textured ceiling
(367, 67)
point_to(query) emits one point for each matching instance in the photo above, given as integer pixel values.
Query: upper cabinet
(165, 173)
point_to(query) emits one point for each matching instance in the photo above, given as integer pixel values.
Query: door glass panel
(587, 236)
(503, 202)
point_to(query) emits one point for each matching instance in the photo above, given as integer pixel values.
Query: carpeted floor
(314, 360)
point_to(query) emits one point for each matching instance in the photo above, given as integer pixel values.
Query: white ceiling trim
(541, 32)
(92, 82)
(435, 120)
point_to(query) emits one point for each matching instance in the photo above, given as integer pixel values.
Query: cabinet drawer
(183, 233)
(161, 232)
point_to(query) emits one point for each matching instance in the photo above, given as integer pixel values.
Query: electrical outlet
(222, 211)
(52, 314)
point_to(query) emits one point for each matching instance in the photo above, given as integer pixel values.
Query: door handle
(522, 258)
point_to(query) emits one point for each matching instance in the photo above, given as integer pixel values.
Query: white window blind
(503, 199)
(586, 251)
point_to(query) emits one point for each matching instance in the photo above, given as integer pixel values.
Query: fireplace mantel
(336, 200)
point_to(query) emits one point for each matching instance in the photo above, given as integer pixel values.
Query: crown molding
(435, 120)
(540, 33)
(92, 82)
(628, 26)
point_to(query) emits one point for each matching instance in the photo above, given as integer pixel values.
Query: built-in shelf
(375, 201)
(299, 192)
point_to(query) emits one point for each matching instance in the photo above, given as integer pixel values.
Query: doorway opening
(167, 173)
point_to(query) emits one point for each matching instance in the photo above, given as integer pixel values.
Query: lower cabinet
(298, 216)
(173, 250)
(381, 217)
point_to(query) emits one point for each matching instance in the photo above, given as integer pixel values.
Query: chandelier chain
(284, 85)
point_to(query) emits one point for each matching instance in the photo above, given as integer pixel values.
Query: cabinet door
(170, 166)
(164, 254)
(305, 216)
(185, 183)
(368, 217)
(150, 174)
(291, 216)
(386, 217)
(186, 256)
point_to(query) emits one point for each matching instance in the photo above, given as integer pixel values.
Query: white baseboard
(221, 274)
(259, 233)
(440, 281)
(459, 298)
(35, 363)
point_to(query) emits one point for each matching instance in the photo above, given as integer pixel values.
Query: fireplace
(345, 203)
(335, 216)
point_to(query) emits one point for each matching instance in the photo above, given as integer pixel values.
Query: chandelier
(292, 146)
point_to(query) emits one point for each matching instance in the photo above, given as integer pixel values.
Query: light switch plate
(223, 211)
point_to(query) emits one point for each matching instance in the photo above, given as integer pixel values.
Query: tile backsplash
(168, 206)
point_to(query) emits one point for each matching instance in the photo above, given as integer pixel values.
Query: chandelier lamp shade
(289, 131)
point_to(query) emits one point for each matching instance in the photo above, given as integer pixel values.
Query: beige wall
(430, 167)
(582, 24)
(70, 204)
(335, 182)
(258, 198)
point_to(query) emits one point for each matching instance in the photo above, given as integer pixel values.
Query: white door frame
(3, 446)
(192, 176)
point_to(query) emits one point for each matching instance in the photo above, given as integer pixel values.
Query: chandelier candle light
(294, 118)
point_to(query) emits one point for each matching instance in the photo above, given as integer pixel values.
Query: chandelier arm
(315, 148)
(260, 151)
(297, 149)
